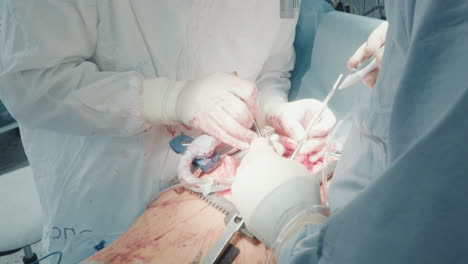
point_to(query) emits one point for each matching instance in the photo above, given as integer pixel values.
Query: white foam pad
(20, 211)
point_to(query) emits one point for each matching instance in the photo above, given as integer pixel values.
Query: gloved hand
(221, 105)
(269, 191)
(374, 42)
(291, 120)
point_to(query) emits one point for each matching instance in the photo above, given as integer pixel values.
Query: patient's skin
(180, 227)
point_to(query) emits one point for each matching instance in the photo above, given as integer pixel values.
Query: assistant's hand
(291, 119)
(221, 105)
(374, 42)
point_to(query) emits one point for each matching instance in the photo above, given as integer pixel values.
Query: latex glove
(374, 42)
(291, 120)
(221, 105)
(269, 191)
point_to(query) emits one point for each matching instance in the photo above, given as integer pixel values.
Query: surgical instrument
(361, 70)
(357, 74)
(259, 133)
(234, 224)
(317, 117)
(179, 145)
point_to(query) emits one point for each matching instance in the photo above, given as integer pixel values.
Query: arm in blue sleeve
(415, 211)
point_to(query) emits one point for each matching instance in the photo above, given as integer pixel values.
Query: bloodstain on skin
(187, 127)
(166, 203)
(187, 239)
(171, 130)
(194, 121)
(177, 228)
(158, 237)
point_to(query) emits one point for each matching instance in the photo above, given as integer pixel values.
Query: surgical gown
(70, 72)
(406, 196)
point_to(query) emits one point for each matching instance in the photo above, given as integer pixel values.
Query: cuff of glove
(158, 100)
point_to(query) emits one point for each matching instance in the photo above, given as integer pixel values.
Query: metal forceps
(317, 117)
(259, 133)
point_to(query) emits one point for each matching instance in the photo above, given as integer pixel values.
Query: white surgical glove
(221, 105)
(269, 191)
(291, 119)
(374, 42)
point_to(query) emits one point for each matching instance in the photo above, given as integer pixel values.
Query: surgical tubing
(330, 153)
(326, 156)
(294, 225)
(208, 185)
(204, 186)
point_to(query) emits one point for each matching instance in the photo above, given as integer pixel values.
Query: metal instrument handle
(233, 226)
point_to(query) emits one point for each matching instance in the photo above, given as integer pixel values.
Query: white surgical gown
(70, 72)
(405, 185)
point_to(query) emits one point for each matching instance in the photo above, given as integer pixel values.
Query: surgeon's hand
(291, 120)
(268, 187)
(221, 105)
(374, 42)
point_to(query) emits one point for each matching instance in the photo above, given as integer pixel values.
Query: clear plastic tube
(318, 212)
(332, 152)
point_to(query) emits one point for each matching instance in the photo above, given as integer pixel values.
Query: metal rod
(257, 128)
(259, 133)
(28, 252)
